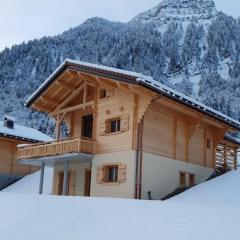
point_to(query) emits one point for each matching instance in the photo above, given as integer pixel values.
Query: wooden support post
(175, 139)
(57, 128)
(65, 179)
(225, 153)
(84, 94)
(41, 178)
(205, 148)
(235, 159)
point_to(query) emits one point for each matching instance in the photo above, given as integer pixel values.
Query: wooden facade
(8, 158)
(107, 114)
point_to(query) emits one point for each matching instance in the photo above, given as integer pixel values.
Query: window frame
(109, 122)
(193, 177)
(209, 143)
(104, 95)
(106, 173)
(182, 179)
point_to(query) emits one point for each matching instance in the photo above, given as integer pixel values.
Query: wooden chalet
(12, 135)
(129, 135)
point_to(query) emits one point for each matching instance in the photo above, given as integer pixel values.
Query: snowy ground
(30, 183)
(208, 211)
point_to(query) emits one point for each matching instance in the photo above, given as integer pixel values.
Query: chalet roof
(23, 133)
(131, 78)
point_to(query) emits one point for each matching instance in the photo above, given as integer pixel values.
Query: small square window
(209, 143)
(182, 180)
(191, 180)
(111, 174)
(102, 93)
(114, 125)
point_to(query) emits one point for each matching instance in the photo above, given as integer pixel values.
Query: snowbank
(30, 183)
(208, 211)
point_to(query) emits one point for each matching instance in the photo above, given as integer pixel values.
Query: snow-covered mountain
(186, 44)
(184, 11)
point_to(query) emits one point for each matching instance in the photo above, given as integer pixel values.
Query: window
(87, 126)
(113, 125)
(114, 173)
(102, 93)
(191, 180)
(182, 179)
(111, 174)
(209, 143)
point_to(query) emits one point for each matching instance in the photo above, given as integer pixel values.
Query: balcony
(56, 148)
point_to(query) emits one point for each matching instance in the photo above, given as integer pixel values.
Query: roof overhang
(12, 137)
(135, 79)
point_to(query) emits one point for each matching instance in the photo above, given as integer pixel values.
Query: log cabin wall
(165, 134)
(8, 158)
(120, 104)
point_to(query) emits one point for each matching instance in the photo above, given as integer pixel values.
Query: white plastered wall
(119, 190)
(161, 175)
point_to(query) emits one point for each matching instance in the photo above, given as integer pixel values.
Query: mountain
(186, 44)
(185, 11)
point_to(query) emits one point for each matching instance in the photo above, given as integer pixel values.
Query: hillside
(185, 44)
(208, 211)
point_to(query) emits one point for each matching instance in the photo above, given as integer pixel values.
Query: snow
(208, 211)
(23, 132)
(30, 183)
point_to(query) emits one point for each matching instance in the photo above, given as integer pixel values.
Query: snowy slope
(209, 211)
(30, 183)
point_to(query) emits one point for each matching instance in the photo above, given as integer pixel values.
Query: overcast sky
(22, 20)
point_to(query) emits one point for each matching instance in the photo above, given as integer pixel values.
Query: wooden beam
(66, 86)
(84, 94)
(41, 108)
(175, 139)
(205, 148)
(49, 100)
(73, 108)
(70, 97)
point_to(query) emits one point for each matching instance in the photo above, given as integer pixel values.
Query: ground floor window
(191, 180)
(182, 179)
(111, 173)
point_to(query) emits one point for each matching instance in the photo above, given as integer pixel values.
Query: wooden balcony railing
(60, 147)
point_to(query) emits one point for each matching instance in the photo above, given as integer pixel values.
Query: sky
(23, 20)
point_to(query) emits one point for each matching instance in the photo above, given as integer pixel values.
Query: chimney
(9, 122)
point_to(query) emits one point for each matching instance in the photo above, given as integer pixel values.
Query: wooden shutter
(109, 92)
(122, 173)
(100, 174)
(72, 183)
(55, 182)
(124, 124)
(102, 129)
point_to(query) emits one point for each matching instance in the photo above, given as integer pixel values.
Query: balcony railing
(60, 147)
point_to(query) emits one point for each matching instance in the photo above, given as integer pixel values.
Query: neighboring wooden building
(128, 134)
(11, 135)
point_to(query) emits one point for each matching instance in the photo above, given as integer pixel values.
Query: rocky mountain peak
(178, 10)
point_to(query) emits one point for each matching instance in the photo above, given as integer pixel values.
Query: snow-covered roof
(132, 78)
(23, 133)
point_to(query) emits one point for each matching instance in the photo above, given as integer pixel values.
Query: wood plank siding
(8, 158)
(170, 129)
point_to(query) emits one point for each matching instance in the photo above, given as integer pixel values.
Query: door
(87, 183)
(87, 126)
(60, 182)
